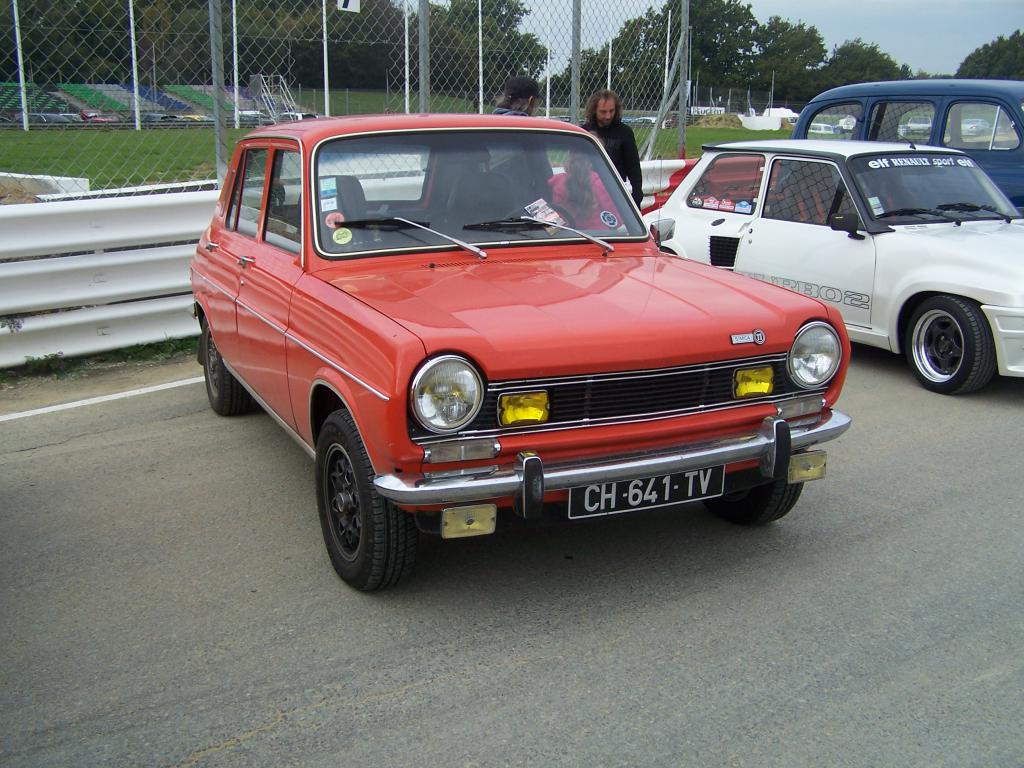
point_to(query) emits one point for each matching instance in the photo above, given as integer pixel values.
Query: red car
(458, 351)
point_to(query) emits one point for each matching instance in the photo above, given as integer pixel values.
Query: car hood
(520, 314)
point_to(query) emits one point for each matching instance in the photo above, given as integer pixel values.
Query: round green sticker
(342, 236)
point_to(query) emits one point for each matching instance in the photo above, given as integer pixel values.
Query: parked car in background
(196, 118)
(915, 245)
(984, 118)
(293, 116)
(158, 117)
(460, 341)
(95, 116)
(821, 128)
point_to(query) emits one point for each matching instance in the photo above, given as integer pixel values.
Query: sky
(930, 35)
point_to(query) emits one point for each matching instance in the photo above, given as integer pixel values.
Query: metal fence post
(21, 66)
(574, 86)
(217, 69)
(424, 20)
(684, 74)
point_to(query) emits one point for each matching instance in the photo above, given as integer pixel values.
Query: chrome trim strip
(310, 451)
(334, 365)
(420, 489)
(211, 283)
(261, 318)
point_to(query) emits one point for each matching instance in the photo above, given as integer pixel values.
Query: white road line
(101, 399)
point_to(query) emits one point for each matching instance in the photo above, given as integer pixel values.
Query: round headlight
(814, 358)
(446, 394)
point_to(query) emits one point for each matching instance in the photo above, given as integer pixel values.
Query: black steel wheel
(226, 395)
(371, 543)
(759, 505)
(949, 347)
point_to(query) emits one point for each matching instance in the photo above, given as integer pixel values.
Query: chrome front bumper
(771, 445)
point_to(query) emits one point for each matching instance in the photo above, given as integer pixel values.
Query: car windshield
(921, 187)
(471, 185)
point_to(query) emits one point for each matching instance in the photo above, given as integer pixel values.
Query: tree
(793, 53)
(1002, 58)
(858, 62)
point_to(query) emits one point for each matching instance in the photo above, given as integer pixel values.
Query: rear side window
(251, 198)
(977, 125)
(806, 192)
(730, 184)
(839, 121)
(901, 121)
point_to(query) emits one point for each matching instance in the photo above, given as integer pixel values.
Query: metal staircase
(273, 95)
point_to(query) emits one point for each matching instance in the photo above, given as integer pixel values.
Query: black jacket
(620, 144)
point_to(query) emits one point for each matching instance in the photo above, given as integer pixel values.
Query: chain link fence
(102, 98)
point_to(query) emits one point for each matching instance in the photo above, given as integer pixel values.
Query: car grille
(615, 398)
(722, 251)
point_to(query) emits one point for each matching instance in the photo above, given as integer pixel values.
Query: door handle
(210, 245)
(243, 260)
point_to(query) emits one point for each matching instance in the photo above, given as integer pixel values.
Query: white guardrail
(79, 277)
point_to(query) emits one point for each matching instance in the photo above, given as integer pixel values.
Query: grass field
(122, 157)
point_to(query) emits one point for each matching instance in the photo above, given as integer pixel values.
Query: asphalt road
(167, 601)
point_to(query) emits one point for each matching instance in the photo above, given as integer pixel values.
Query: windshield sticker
(328, 187)
(725, 204)
(926, 162)
(609, 219)
(711, 202)
(696, 202)
(328, 204)
(342, 236)
(541, 209)
(876, 206)
(744, 206)
(334, 220)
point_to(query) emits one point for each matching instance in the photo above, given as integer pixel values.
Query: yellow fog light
(523, 408)
(473, 520)
(806, 466)
(749, 382)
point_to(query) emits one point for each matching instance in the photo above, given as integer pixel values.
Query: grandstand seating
(192, 95)
(159, 97)
(92, 98)
(38, 99)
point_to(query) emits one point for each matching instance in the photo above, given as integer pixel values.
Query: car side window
(284, 216)
(806, 192)
(977, 125)
(251, 195)
(730, 184)
(838, 121)
(901, 121)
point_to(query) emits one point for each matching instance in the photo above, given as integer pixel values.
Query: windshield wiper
(529, 222)
(912, 212)
(973, 208)
(398, 222)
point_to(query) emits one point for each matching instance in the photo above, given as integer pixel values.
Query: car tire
(759, 505)
(949, 346)
(226, 395)
(371, 543)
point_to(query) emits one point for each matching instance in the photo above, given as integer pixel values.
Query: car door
(230, 247)
(267, 279)
(791, 244)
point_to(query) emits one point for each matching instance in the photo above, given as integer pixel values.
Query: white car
(916, 246)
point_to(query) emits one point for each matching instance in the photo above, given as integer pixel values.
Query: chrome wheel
(938, 345)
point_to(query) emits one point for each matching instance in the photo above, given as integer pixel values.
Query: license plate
(646, 493)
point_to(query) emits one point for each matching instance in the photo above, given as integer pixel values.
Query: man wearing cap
(519, 96)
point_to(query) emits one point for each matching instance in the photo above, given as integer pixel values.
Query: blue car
(981, 117)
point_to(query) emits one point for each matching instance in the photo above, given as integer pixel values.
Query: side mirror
(662, 230)
(844, 222)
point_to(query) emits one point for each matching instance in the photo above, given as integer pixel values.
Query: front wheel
(371, 543)
(949, 347)
(759, 505)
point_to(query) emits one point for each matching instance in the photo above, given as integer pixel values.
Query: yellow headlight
(523, 408)
(751, 382)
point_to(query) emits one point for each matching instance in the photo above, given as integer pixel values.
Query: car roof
(315, 130)
(937, 87)
(834, 150)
